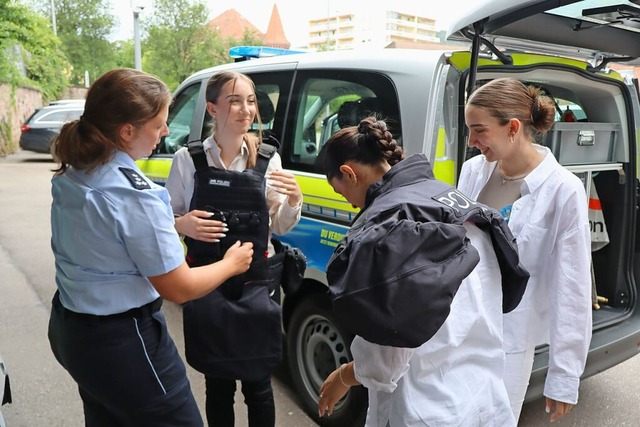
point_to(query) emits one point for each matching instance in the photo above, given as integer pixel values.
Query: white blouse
(551, 226)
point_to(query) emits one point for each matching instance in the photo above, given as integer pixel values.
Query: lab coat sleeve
(570, 303)
(379, 367)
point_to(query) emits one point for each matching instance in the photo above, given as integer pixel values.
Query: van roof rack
(243, 53)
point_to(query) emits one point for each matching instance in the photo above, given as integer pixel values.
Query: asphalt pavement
(44, 395)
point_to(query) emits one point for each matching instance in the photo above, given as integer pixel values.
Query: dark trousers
(258, 396)
(128, 370)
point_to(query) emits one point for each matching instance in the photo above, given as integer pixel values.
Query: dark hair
(369, 143)
(118, 97)
(214, 88)
(508, 98)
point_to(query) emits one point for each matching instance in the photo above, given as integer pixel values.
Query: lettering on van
(456, 200)
(330, 237)
(220, 182)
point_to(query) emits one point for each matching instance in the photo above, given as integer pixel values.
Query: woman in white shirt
(433, 359)
(546, 209)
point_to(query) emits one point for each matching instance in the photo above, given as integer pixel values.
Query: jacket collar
(540, 174)
(535, 178)
(407, 171)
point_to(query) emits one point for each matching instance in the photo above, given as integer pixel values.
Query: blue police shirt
(110, 230)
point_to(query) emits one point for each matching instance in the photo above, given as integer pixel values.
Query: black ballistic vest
(235, 331)
(238, 199)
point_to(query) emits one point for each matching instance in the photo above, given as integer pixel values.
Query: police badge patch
(136, 180)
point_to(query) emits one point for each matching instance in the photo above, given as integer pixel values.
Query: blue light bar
(259, 51)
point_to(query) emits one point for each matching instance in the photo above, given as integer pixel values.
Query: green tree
(31, 54)
(125, 54)
(178, 41)
(84, 26)
(249, 38)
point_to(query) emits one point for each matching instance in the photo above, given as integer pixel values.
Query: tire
(316, 346)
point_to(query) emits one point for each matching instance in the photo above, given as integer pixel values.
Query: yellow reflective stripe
(444, 171)
(443, 166)
(156, 169)
(317, 192)
(461, 61)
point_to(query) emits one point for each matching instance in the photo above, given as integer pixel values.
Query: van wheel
(316, 346)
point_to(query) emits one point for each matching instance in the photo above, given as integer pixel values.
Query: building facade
(374, 28)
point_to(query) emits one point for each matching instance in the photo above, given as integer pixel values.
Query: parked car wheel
(316, 346)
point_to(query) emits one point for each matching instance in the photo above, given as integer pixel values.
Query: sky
(295, 14)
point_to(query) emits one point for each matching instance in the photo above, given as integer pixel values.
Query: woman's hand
(285, 183)
(198, 225)
(332, 390)
(240, 255)
(557, 408)
(185, 283)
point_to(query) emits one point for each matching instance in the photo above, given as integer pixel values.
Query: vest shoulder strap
(196, 150)
(266, 150)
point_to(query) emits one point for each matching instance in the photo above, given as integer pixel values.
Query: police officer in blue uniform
(117, 256)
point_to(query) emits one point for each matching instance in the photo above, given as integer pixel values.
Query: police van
(568, 48)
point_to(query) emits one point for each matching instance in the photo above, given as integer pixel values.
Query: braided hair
(369, 143)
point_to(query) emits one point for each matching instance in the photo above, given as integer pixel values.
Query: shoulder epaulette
(136, 180)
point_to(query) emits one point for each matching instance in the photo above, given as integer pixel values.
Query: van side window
(326, 102)
(568, 111)
(179, 120)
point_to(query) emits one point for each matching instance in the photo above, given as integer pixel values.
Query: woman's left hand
(557, 408)
(331, 392)
(285, 183)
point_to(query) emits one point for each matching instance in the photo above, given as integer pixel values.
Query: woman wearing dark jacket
(409, 284)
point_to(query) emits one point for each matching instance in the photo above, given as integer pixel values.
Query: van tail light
(25, 128)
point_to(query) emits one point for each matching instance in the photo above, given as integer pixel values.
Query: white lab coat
(550, 224)
(455, 378)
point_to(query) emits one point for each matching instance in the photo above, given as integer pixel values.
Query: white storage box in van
(583, 143)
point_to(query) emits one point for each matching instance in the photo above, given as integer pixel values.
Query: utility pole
(136, 35)
(53, 18)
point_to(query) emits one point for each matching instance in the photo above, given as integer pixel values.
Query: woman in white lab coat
(546, 209)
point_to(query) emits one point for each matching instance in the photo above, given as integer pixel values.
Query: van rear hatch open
(585, 29)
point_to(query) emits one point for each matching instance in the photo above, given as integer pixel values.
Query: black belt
(142, 311)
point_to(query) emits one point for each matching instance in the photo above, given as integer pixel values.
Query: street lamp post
(53, 18)
(136, 36)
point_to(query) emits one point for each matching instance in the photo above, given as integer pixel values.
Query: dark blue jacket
(393, 276)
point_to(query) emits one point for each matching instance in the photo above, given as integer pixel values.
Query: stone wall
(75, 92)
(16, 108)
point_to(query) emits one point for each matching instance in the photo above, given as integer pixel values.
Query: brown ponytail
(119, 97)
